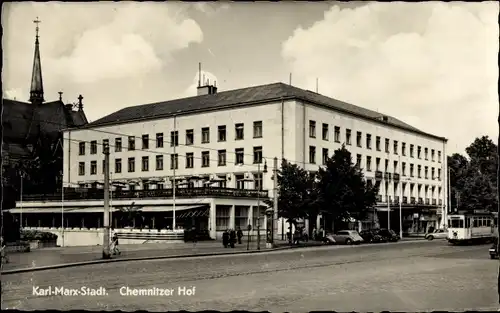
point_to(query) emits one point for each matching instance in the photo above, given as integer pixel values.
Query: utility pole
(62, 214)
(106, 252)
(175, 159)
(258, 212)
(498, 209)
(400, 200)
(21, 215)
(275, 200)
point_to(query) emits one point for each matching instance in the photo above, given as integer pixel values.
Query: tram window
(475, 223)
(461, 224)
(456, 223)
(467, 223)
(488, 222)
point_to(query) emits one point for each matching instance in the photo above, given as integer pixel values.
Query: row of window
(348, 141)
(326, 155)
(174, 138)
(241, 217)
(174, 161)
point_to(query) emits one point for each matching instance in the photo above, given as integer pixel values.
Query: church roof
(243, 97)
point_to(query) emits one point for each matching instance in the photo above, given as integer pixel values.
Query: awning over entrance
(195, 212)
(162, 208)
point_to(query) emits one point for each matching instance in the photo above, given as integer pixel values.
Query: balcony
(427, 201)
(387, 176)
(440, 202)
(396, 177)
(98, 194)
(405, 200)
(378, 175)
(420, 201)
(412, 200)
(396, 199)
(433, 201)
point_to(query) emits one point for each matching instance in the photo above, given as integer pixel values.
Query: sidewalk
(67, 255)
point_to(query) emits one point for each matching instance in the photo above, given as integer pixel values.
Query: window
(348, 137)
(159, 162)
(189, 137)
(174, 138)
(81, 148)
(239, 131)
(131, 143)
(221, 133)
(325, 131)
(240, 157)
(93, 167)
(145, 163)
(221, 158)
(387, 143)
(93, 147)
(241, 217)
(205, 135)
(257, 155)
(439, 156)
(222, 218)
(439, 174)
(257, 181)
(325, 156)
(411, 151)
(312, 155)
(395, 166)
(403, 148)
(258, 216)
(377, 143)
(433, 173)
(336, 134)
(368, 163)
(118, 165)
(358, 139)
(368, 141)
(81, 168)
(377, 164)
(386, 166)
(118, 144)
(395, 147)
(145, 142)
(312, 129)
(433, 155)
(426, 172)
(403, 169)
(358, 160)
(205, 159)
(159, 140)
(131, 165)
(174, 161)
(145, 185)
(257, 129)
(189, 160)
(411, 170)
(419, 150)
(426, 153)
(419, 171)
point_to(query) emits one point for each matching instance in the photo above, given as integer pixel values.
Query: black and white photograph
(287, 156)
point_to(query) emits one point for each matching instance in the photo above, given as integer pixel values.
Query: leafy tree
(129, 214)
(342, 189)
(458, 165)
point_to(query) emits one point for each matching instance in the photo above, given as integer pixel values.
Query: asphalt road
(407, 276)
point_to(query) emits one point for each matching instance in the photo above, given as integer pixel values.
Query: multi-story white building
(215, 145)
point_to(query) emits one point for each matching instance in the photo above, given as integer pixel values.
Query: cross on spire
(37, 21)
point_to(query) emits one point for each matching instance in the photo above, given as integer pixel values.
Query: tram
(471, 228)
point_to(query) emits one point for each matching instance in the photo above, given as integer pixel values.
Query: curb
(177, 256)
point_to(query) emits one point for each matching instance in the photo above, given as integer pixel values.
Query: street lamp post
(258, 201)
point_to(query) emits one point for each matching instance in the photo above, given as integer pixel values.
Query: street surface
(405, 276)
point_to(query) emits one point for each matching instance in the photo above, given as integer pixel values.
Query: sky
(433, 65)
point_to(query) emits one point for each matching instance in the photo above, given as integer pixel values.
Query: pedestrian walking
(225, 238)
(240, 235)
(193, 234)
(232, 238)
(114, 244)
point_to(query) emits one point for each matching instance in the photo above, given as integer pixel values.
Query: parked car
(437, 234)
(348, 237)
(494, 249)
(371, 236)
(388, 235)
(329, 240)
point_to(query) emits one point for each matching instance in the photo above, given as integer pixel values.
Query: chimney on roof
(80, 103)
(207, 89)
(385, 118)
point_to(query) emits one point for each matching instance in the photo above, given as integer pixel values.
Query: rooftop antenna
(317, 85)
(199, 74)
(290, 80)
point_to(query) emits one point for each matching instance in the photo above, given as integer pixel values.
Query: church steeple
(36, 91)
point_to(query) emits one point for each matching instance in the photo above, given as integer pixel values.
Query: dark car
(371, 236)
(388, 235)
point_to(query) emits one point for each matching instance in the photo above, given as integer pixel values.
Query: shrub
(30, 235)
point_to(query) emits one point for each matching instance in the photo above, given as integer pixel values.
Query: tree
(458, 165)
(130, 214)
(342, 189)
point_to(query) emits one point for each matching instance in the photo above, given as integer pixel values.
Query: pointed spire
(36, 91)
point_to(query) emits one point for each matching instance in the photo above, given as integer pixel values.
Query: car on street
(388, 235)
(348, 237)
(371, 236)
(437, 234)
(329, 240)
(494, 249)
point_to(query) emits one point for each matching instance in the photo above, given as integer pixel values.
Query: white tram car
(471, 228)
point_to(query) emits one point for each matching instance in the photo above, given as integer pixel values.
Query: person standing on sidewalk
(115, 244)
(232, 238)
(225, 238)
(240, 235)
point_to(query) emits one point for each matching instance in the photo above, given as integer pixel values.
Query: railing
(378, 175)
(396, 199)
(440, 202)
(387, 176)
(420, 201)
(412, 200)
(427, 201)
(433, 201)
(405, 200)
(98, 194)
(395, 177)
